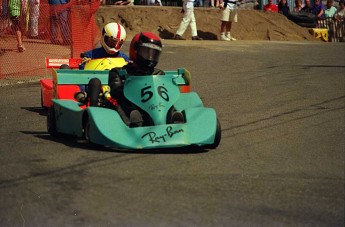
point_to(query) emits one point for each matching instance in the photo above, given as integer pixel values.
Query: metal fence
(335, 27)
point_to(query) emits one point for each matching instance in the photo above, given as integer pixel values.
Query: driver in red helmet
(145, 49)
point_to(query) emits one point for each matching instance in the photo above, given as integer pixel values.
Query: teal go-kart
(155, 95)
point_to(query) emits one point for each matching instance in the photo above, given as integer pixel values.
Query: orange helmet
(145, 49)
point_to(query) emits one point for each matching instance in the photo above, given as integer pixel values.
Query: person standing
(283, 7)
(271, 7)
(59, 17)
(229, 15)
(339, 18)
(14, 10)
(188, 19)
(298, 6)
(318, 9)
(34, 13)
(307, 7)
(330, 10)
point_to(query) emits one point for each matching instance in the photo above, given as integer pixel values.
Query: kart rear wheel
(51, 121)
(217, 137)
(42, 99)
(94, 90)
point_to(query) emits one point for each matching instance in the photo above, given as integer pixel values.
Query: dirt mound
(251, 25)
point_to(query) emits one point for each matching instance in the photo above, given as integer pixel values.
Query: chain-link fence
(48, 31)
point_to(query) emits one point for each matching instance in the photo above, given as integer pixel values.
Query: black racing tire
(94, 87)
(51, 121)
(64, 66)
(302, 17)
(217, 138)
(306, 25)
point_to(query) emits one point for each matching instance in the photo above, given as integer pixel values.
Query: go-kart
(155, 95)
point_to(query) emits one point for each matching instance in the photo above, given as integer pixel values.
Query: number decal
(146, 94)
(163, 92)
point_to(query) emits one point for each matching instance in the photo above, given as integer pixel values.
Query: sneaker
(178, 37)
(177, 118)
(21, 48)
(196, 38)
(230, 37)
(224, 38)
(80, 96)
(135, 119)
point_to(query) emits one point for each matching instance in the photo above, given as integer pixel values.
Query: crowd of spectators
(326, 16)
(14, 12)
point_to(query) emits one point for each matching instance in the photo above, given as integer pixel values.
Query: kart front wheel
(86, 129)
(51, 121)
(217, 137)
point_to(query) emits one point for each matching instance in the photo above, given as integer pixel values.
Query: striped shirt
(14, 8)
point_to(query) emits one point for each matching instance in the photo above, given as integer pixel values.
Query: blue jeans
(60, 19)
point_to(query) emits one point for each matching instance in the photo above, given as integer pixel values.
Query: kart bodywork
(153, 94)
(67, 91)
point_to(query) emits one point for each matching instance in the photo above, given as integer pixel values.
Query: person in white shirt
(229, 15)
(188, 19)
(154, 2)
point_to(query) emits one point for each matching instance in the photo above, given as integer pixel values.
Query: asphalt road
(280, 161)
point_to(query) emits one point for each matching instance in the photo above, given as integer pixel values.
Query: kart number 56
(147, 94)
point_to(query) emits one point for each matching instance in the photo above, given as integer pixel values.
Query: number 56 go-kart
(155, 95)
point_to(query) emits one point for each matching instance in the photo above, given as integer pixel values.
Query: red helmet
(145, 49)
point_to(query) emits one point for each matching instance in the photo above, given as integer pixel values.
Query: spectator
(307, 7)
(340, 21)
(340, 14)
(154, 2)
(122, 3)
(14, 10)
(34, 12)
(271, 7)
(283, 7)
(3, 16)
(330, 10)
(229, 15)
(59, 17)
(188, 19)
(318, 9)
(298, 6)
(215, 1)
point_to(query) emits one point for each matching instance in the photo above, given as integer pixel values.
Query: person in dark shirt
(318, 9)
(307, 7)
(283, 7)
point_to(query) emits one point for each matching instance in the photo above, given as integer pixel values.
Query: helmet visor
(113, 42)
(149, 51)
